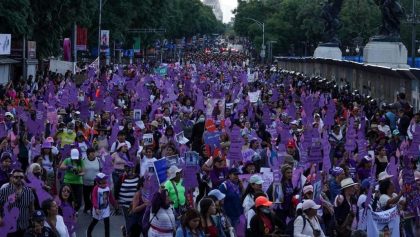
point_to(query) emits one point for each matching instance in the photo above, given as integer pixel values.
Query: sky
(227, 7)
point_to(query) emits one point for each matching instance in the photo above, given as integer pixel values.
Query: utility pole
(99, 36)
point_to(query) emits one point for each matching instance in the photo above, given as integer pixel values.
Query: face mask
(37, 174)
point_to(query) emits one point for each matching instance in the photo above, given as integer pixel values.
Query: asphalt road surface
(84, 220)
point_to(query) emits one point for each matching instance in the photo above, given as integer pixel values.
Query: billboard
(5, 44)
(104, 40)
(31, 49)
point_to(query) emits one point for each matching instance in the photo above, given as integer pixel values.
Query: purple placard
(412, 193)
(236, 144)
(37, 185)
(315, 152)
(151, 185)
(10, 217)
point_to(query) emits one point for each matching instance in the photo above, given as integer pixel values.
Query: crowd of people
(278, 153)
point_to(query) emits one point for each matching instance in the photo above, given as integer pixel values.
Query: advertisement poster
(5, 44)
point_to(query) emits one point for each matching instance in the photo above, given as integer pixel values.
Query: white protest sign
(148, 139)
(62, 67)
(254, 96)
(5, 44)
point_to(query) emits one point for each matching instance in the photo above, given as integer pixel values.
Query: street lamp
(262, 25)
(347, 49)
(99, 37)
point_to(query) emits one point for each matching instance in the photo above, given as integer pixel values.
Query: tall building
(215, 6)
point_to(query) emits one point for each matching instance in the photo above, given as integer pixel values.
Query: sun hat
(74, 154)
(256, 179)
(262, 201)
(216, 192)
(309, 204)
(154, 123)
(384, 175)
(172, 171)
(347, 182)
(308, 188)
(9, 114)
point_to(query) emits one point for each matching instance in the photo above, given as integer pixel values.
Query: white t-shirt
(383, 199)
(59, 226)
(103, 204)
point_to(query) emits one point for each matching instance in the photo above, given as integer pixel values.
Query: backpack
(290, 228)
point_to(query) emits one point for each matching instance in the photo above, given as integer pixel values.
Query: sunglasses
(66, 191)
(18, 177)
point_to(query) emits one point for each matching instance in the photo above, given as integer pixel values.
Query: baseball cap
(38, 215)
(262, 201)
(101, 176)
(74, 154)
(256, 179)
(308, 188)
(309, 204)
(216, 192)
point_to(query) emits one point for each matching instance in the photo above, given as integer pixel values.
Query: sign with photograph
(5, 44)
(31, 49)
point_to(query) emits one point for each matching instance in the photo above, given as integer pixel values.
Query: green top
(69, 176)
(169, 185)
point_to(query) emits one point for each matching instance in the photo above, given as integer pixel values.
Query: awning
(8, 61)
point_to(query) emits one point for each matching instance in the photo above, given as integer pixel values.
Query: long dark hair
(60, 194)
(159, 201)
(46, 205)
(191, 214)
(205, 204)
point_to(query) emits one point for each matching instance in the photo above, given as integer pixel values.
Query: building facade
(215, 6)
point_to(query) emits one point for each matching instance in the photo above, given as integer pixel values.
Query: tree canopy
(297, 27)
(48, 22)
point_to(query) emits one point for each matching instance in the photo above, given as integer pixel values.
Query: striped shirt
(127, 191)
(24, 203)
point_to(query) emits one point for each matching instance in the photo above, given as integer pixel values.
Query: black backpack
(290, 228)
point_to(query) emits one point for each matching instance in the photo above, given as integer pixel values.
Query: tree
(15, 17)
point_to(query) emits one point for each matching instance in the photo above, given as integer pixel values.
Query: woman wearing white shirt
(382, 127)
(146, 164)
(54, 221)
(309, 226)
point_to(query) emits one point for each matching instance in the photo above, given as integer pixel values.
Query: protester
(73, 175)
(101, 200)
(191, 225)
(91, 167)
(53, 220)
(162, 217)
(37, 228)
(16, 194)
(212, 226)
(233, 189)
(308, 223)
(311, 137)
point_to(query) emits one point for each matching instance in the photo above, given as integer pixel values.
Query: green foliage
(296, 23)
(48, 22)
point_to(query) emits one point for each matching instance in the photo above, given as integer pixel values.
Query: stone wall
(379, 82)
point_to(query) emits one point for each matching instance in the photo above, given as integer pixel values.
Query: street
(84, 221)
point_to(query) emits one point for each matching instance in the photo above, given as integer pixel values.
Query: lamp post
(262, 25)
(358, 53)
(99, 36)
